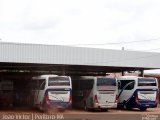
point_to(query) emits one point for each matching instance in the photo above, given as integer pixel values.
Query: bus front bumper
(149, 104)
(59, 105)
(103, 106)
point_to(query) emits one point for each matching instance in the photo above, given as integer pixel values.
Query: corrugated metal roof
(54, 54)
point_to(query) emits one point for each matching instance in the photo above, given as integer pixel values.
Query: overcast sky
(74, 22)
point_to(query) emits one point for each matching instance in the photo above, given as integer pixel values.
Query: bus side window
(127, 84)
(34, 85)
(87, 84)
(130, 86)
(41, 84)
(119, 84)
(90, 84)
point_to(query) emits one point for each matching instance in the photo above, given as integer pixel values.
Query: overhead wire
(147, 50)
(129, 59)
(116, 43)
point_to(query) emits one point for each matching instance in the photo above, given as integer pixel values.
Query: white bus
(52, 91)
(137, 92)
(94, 92)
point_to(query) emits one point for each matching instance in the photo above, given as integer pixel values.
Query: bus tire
(104, 110)
(45, 108)
(143, 108)
(120, 107)
(125, 106)
(85, 107)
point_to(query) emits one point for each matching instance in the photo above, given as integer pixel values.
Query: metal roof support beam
(123, 72)
(141, 73)
(63, 71)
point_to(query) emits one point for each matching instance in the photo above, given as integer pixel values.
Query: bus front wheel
(104, 110)
(120, 107)
(45, 108)
(125, 106)
(85, 107)
(143, 108)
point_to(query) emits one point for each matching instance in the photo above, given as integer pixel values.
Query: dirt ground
(74, 114)
(76, 111)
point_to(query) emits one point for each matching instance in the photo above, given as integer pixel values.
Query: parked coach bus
(137, 92)
(52, 91)
(94, 92)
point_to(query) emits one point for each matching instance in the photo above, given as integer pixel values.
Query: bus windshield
(146, 82)
(58, 81)
(106, 82)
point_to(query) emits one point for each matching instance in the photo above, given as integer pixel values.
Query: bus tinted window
(106, 82)
(42, 84)
(37, 84)
(126, 84)
(146, 82)
(56, 81)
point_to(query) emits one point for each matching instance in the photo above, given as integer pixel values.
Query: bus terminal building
(19, 62)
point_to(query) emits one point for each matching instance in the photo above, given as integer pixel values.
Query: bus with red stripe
(52, 91)
(137, 92)
(91, 92)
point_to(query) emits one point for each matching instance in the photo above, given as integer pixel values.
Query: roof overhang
(35, 57)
